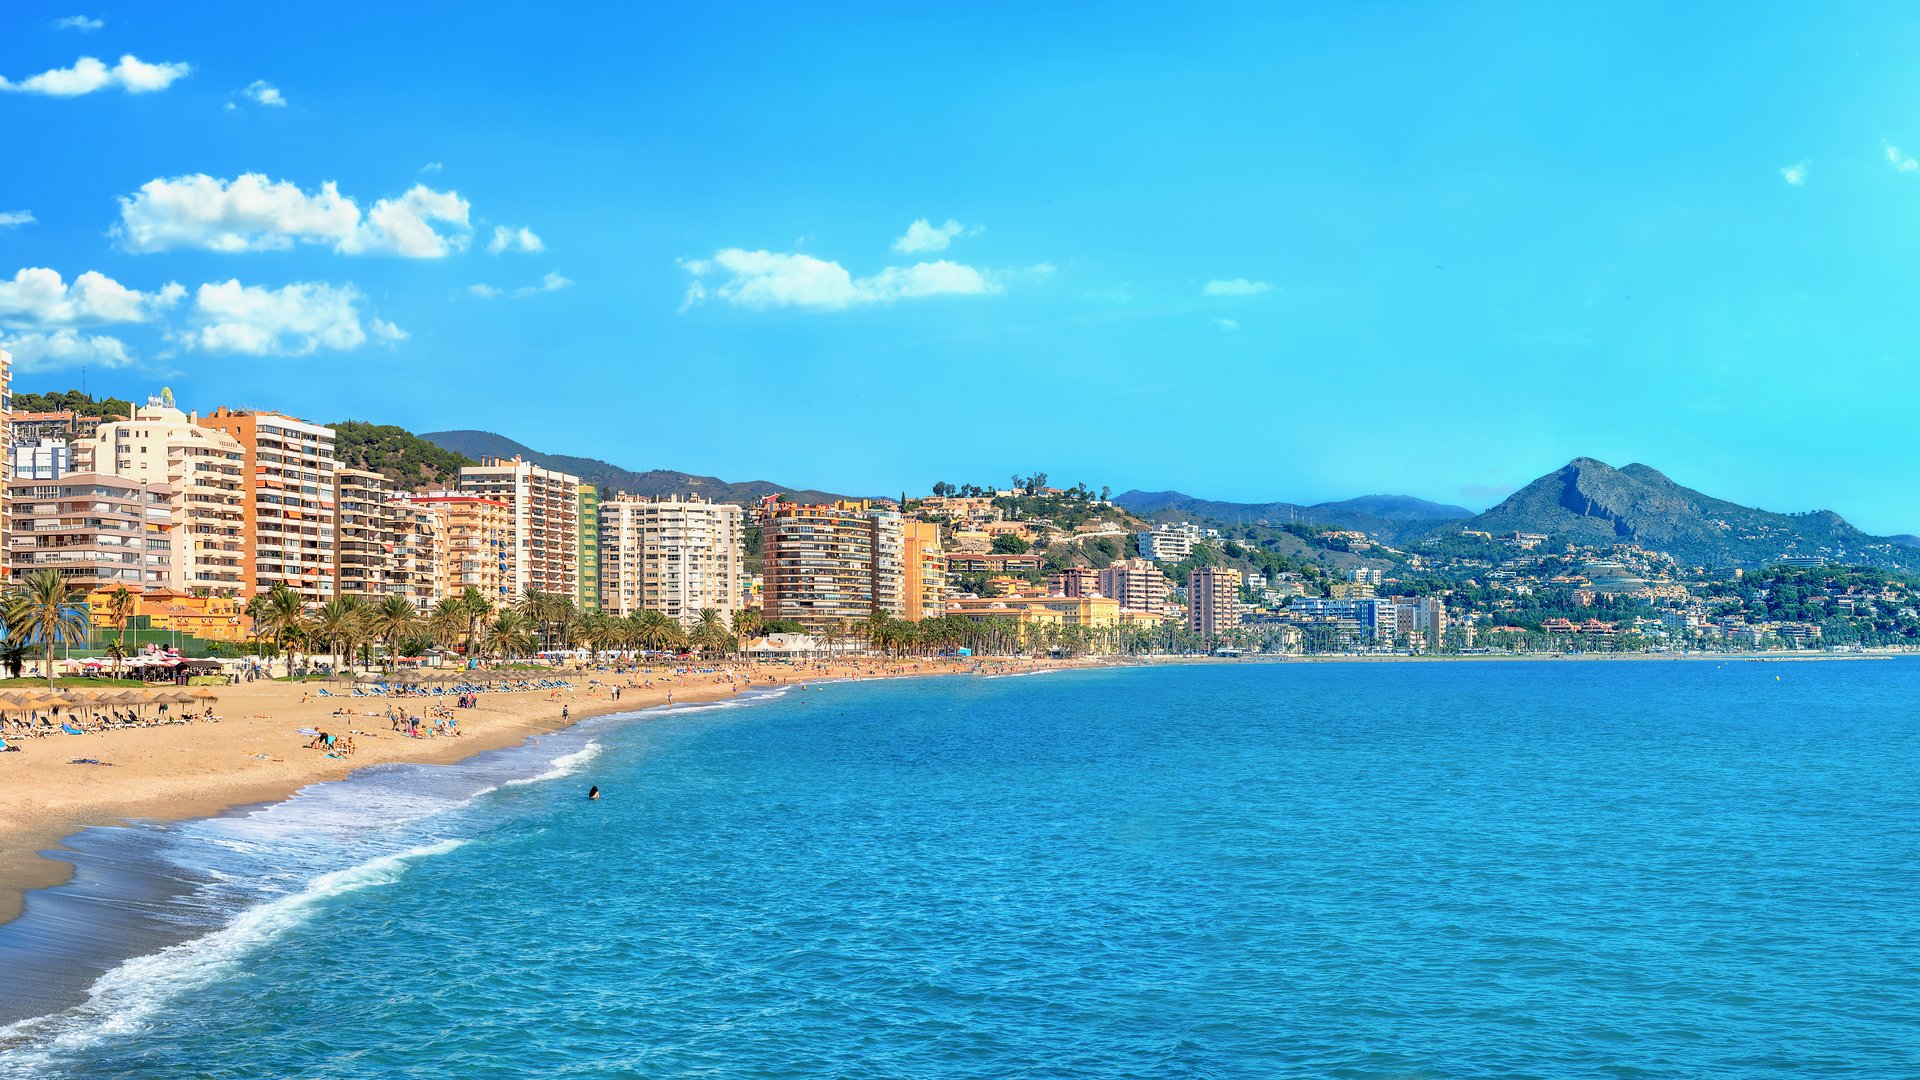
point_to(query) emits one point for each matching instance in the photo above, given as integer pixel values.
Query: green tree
(43, 608)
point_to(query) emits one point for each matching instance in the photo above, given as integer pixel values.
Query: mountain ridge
(611, 478)
(1391, 517)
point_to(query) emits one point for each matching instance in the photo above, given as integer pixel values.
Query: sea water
(1354, 870)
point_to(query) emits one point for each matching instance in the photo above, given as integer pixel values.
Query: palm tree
(746, 623)
(337, 623)
(283, 614)
(511, 634)
(117, 652)
(478, 607)
(448, 622)
(120, 605)
(390, 620)
(44, 606)
(709, 632)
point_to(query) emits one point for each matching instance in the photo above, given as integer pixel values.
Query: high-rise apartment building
(1213, 600)
(288, 512)
(831, 566)
(673, 556)
(477, 544)
(96, 531)
(589, 598)
(889, 562)
(364, 533)
(1075, 581)
(207, 472)
(1138, 584)
(414, 568)
(544, 505)
(923, 572)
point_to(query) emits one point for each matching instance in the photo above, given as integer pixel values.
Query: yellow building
(212, 618)
(924, 567)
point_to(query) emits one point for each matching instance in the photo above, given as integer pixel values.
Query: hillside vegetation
(412, 463)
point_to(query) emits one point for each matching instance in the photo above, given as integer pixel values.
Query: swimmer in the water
(593, 792)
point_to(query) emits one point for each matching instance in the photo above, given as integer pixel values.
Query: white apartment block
(41, 459)
(545, 508)
(672, 556)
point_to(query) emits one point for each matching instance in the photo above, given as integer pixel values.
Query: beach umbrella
(204, 694)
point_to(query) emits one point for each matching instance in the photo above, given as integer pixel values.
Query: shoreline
(253, 755)
(257, 759)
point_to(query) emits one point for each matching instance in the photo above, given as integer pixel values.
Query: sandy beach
(254, 753)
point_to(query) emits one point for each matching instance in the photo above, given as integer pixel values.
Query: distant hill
(412, 463)
(612, 478)
(1390, 517)
(1591, 502)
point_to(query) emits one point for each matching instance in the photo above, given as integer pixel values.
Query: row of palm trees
(480, 627)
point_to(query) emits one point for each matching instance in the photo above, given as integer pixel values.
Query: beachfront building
(675, 556)
(205, 468)
(419, 544)
(97, 531)
(923, 571)
(1213, 600)
(45, 458)
(544, 506)
(287, 511)
(1138, 584)
(830, 567)
(363, 533)
(477, 546)
(589, 598)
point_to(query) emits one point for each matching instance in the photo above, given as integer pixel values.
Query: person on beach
(565, 712)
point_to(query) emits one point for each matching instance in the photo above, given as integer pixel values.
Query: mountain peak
(1590, 502)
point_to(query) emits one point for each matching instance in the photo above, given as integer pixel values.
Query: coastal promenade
(255, 752)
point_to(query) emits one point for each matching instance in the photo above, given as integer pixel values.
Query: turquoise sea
(1618, 869)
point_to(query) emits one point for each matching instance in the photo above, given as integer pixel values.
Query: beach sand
(254, 755)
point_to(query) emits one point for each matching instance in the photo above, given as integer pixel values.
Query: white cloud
(36, 296)
(923, 236)
(12, 218)
(294, 320)
(551, 282)
(1795, 175)
(432, 166)
(82, 23)
(1228, 325)
(65, 348)
(404, 226)
(253, 213)
(87, 74)
(511, 239)
(1899, 161)
(1235, 287)
(261, 92)
(767, 279)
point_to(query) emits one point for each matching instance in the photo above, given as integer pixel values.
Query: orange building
(287, 513)
(924, 567)
(211, 618)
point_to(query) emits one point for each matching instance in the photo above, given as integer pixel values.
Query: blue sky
(1250, 252)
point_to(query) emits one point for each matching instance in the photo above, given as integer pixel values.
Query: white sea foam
(564, 765)
(121, 1001)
